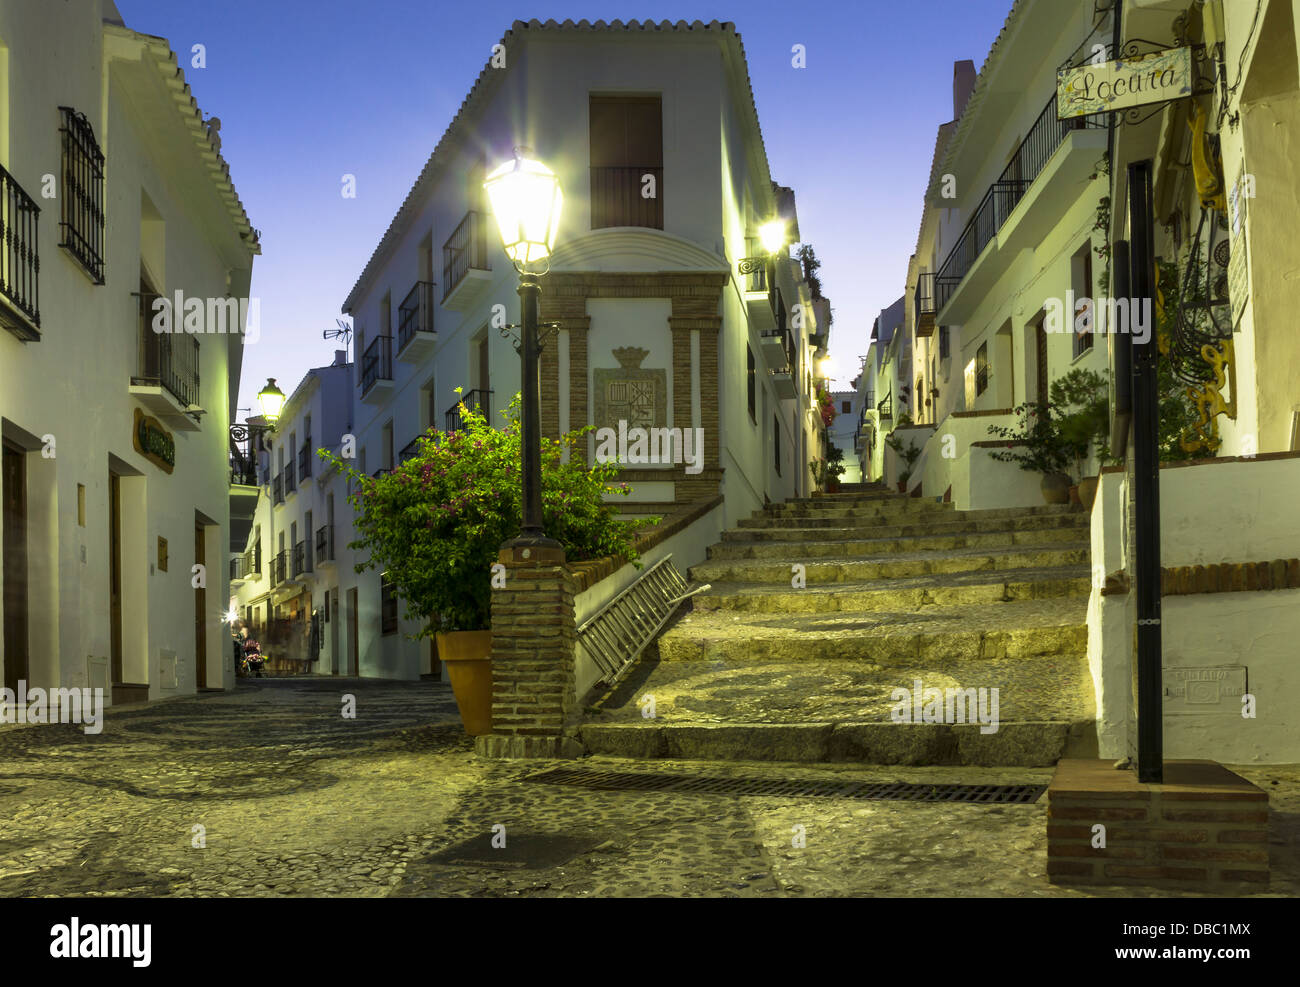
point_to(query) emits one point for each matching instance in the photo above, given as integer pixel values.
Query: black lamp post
(526, 200)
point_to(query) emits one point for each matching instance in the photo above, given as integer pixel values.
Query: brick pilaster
(534, 708)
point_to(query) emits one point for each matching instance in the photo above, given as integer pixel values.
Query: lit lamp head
(525, 198)
(772, 235)
(270, 399)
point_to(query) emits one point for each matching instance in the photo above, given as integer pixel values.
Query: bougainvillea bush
(436, 522)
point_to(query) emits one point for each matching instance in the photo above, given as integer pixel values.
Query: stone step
(840, 570)
(799, 551)
(929, 637)
(913, 512)
(1013, 745)
(911, 593)
(937, 526)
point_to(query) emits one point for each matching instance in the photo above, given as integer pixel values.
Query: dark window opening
(751, 380)
(387, 606)
(627, 159)
(81, 222)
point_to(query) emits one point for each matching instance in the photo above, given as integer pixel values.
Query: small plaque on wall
(1205, 689)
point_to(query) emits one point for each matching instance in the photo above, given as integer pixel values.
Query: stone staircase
(894, 590)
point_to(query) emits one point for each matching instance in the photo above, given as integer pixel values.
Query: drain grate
(625, 781)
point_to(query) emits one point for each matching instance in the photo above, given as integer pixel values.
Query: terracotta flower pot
(1074, 496)
(1056, 488)
(468, 655)
(1088, 491)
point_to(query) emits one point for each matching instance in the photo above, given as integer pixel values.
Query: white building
(289, 581)
(653, 131)
(115, 479)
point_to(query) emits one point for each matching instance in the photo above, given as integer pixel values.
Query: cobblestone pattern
(297, 801)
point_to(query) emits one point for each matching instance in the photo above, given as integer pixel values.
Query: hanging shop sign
(1238, 278)
(1139, 80)
(154, 442)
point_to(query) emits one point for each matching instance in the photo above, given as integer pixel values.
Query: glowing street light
(271, 400)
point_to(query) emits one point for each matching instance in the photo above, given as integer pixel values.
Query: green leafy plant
(435, 523)
(1058, 435)
(835, 467)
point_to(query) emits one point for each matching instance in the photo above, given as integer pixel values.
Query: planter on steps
(1088, 491)
(468, 655)
(1056, 488)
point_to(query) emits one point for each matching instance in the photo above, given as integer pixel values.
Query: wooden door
(15, 566)
(200, 613)
(332, 608)
(352, 631)
(484, 377)
(115, 575)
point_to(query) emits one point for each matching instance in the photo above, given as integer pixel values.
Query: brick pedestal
(533, 641)
(1203, 829)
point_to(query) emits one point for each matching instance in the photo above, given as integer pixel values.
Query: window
(1081, 278)
(81, 222)
(846, 408)
(750, 380)
(943, 342)
(982, 369)
(387, 606)
(627, 158)
(776, 443)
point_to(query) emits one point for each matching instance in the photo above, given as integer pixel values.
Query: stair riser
(798, 550)
(1071, 525)
(737, 571)
(933, 650)
(1014, 745)
(913, 507)
(901, 600)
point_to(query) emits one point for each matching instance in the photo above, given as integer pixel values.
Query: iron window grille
(377, 362)
(81, 224)
(415, 313)
(476, 400)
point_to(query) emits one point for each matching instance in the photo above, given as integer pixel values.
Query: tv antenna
(343, 332)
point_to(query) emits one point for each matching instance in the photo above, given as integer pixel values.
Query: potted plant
(435, 524)
(1036, 445)
(908, 454)
(834, 468)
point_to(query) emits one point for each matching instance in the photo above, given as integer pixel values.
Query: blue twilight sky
(308, 90)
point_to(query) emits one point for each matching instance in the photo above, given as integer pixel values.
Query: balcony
(778, 349)
(325, 545)
(1015, 213)
(410, 450)
(415, 335)
(20, 264)
(168, 381)
(784, 384)
(246, 445)
(466, 270)
(277, 490)
(238, 570)
(304, 460)
(477, 400)
(377, 370)
(616, 198)
(301, 560)
(885, 409)
(279, 567)
(757, 288)
(289, 480)
(253, 562)
(923, 306)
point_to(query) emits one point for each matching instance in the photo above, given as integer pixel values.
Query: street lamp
(270, 399)
(772, 235)
(525, 198)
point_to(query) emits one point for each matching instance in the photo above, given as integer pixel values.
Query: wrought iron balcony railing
(923, 305)
(787, 344)
(1044, 137)
(167, 359)
(415, 314)
(20, 264)
(253, 560)
(617, 199)
(279, 567)
(246, 444)
(304, 459)
(476, 400)
(301, 559)
(290, 479)
(409, 450)
(277, 489)
(377, 362)
(465, 250)
(885, 409)
(325, 543)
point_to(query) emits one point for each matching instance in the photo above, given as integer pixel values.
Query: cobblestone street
(294, 799)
